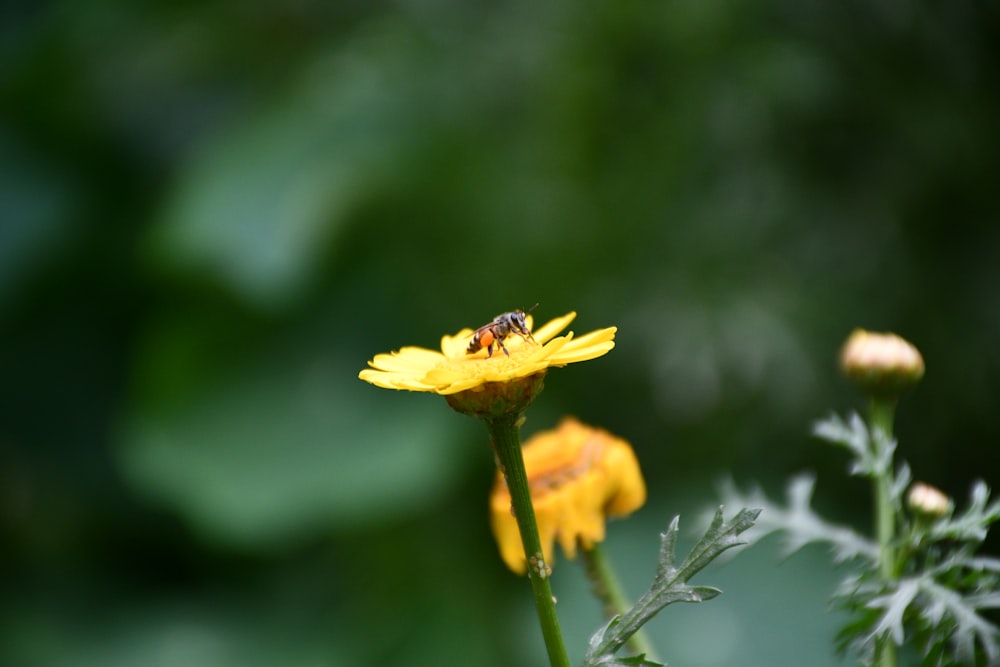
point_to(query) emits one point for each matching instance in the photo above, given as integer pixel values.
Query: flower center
(479, 364)
(558, 473)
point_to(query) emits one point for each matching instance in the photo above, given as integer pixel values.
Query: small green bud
(883, 364)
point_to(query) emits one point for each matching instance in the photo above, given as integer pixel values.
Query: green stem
(882, 413)
(608, 589)
(505, 437)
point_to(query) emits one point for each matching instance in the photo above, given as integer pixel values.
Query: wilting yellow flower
(579, 476)
(452, 370)
(882, 363)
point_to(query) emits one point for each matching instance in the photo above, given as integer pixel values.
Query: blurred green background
(212, 214)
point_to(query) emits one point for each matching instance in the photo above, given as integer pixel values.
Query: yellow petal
(578, 476)
(552, 327)
(586, 347)
(407, 359)
(454, 347)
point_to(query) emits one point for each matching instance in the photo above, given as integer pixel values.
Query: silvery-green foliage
(669, 586)
(937, 603)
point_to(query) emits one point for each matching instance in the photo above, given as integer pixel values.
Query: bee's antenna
(532, 308)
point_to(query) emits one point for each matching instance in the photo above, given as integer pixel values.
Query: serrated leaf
(872, 450)
(639, 660)
(720, 536)
(630, 661)
(798, 522)
(983, 563)
(973, 524)
(853, 435)
(704, 593)
(668, 546)
(902, 482)
(894, 606)
(884, 448)
(938, 605)
(670, 583)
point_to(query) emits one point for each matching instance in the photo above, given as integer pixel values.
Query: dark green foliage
(213, 213)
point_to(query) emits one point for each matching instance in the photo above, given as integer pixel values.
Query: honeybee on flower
(453, 370)
(503, 325)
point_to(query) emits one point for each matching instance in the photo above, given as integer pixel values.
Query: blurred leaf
(35, 201)
(229, 632)
(798, 522)
(293, 445)
(259, 208)
(328, 608)
(973, 524)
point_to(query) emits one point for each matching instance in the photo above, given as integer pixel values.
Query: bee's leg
(525, 335)
(503, 347)
(489, 350)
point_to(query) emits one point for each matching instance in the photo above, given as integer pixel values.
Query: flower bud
(927, 501)
(882, 364)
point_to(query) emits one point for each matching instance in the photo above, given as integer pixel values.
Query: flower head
(579, 476)
(881, 363)
(454, 370)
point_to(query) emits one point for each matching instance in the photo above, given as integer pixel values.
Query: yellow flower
(579, 476)
(452, 370)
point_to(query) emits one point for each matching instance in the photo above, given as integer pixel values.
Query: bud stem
(608, 589)
(881, 416)
(505, 438)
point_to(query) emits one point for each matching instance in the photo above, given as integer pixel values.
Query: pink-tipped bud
(881, 363)
(927, 501)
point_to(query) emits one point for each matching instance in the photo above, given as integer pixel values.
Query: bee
(502, 326)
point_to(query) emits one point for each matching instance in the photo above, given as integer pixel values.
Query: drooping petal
(579, 477)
